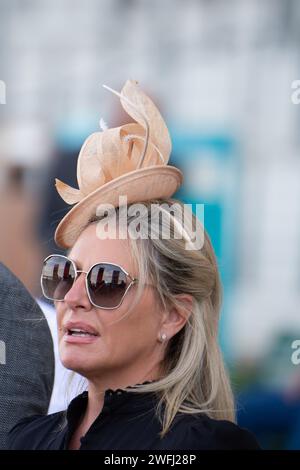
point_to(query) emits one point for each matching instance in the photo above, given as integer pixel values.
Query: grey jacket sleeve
(26, 355)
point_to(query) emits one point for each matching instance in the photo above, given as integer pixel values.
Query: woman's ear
(176, 316)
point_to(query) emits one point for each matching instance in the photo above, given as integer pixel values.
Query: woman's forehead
(90, 249)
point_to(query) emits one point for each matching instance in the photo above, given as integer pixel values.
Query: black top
(128, 421)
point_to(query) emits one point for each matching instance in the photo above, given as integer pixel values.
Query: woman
(137, 317)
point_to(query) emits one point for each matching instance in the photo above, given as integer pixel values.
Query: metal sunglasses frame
(132, 279)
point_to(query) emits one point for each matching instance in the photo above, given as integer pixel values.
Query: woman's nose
(77, 296)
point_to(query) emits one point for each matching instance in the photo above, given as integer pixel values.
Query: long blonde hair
(195, 380)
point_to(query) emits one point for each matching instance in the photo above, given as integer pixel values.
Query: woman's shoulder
(35, 431)
(199, 432)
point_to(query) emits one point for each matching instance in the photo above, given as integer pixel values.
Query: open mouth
(80, 333)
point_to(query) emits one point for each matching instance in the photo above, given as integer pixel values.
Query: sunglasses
(106, 283)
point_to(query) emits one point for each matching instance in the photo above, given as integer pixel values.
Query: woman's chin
(80, 362)
(75, 364)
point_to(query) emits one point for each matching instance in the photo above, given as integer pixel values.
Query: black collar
(120, 401)
(116, 403)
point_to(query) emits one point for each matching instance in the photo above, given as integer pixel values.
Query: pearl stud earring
(163, 336)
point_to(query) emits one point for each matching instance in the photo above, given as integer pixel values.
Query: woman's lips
(79, 333)
(79, 339)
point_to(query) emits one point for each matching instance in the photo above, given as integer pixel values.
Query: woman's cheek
(59, 318)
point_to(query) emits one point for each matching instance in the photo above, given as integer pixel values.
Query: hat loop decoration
(144, 118)
(129, 160)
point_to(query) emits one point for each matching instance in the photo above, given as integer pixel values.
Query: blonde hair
(194, 377)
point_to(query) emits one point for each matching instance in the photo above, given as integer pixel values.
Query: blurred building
(222, 71)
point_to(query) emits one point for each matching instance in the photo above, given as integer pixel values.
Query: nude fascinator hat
(130, 160)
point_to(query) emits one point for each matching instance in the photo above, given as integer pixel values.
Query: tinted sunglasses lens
(57, 277)
(107, 285)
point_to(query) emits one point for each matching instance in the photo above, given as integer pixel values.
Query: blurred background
(221, 71)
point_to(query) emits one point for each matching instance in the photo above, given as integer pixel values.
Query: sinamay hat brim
(156, 182)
